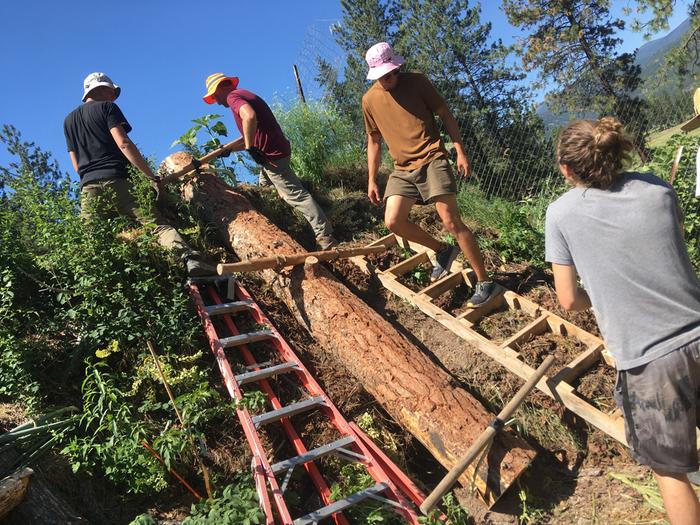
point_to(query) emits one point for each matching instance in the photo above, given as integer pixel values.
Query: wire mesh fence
(513, 156)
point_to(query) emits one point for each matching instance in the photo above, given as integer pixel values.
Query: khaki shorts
(659, 402)
(424, 183)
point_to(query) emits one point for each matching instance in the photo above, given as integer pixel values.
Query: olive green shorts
(424, 183)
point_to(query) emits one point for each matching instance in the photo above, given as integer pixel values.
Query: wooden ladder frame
(559, 386)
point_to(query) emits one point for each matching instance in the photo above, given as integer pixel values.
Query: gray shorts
(659, 402)
(424, 183)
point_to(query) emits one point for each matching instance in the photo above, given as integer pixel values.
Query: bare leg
(682, 506)
(446, 206)
(396, 218)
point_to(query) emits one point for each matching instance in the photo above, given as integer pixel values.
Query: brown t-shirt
(405, 118)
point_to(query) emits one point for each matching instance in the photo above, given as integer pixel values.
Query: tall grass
(321, 138)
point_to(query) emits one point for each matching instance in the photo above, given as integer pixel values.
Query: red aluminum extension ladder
(392, 487)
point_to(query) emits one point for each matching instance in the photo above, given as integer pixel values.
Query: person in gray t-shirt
(621, 232)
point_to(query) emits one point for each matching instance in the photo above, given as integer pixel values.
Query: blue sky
(160, 52)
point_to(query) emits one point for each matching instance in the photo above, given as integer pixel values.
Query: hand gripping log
(485, 438)
(280, 261)
(196, 163)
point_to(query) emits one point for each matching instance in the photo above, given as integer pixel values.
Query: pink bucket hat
(381, 59)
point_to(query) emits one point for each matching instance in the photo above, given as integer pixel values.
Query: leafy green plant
(518, 240)
(684, 185)
(453, 511)
(236, 505)
(214, 129)
(354, 478)
(529, 514)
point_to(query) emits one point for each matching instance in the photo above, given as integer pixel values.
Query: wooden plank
(409, 264)
(438, 288)
(560, 391)
(474, 314)
(387, 240)
(536, 327)
(578, 366)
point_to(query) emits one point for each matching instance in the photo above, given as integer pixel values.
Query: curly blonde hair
(595, 150)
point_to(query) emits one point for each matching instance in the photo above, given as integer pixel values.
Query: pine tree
(446, 40)
(573, 44)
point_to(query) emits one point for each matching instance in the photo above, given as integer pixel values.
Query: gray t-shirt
(628, 247)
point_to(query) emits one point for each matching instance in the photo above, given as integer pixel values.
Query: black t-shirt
(88, 136)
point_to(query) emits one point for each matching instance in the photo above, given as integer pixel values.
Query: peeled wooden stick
(205, 471)
(485, 438)
(280, 261)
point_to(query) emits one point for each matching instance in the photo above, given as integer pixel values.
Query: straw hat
(213, 82)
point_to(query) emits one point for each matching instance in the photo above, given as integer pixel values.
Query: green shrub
(237, 505)
(321, 138)
(79, 300)
(684, 185)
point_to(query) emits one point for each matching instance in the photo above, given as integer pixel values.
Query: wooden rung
(607, 357)
(518, 302)
(536, 327)
(438, 288)
(409, 264)
(474, 314)
(563, 327)
(578, 366)
(387, 240)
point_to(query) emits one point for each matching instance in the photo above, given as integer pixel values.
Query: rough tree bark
(417, 393)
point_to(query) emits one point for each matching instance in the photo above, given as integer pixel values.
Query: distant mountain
(649, 57)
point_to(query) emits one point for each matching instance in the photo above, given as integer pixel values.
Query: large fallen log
(417, 393)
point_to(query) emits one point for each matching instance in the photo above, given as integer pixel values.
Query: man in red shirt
(263, 139)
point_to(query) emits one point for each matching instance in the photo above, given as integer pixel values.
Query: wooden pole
(195, 163)
(299, 88)
(280, 261)
(205, 471)
(485, 438)
(674, 167)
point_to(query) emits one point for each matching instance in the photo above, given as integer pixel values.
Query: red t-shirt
(268, 137)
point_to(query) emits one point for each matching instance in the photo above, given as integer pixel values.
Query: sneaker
(483, 293)
(197, 268)
(443, 261)
(326, 242)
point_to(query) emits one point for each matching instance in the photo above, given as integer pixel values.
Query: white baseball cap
(97, 79)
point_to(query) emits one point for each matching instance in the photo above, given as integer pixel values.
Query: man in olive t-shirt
(400, 108)
(100, 150)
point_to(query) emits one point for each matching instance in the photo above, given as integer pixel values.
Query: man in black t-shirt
(101, 150)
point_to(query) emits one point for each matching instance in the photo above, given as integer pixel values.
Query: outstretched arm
(131, 152)
(374, 155)
(570, 296)
(463, 164)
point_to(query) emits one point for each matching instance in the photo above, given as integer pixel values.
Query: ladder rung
(228, 308)
(264, 373)
(210, 278)
(340, 505)
(244, 339)
(288, 411)
(260, 365)
(312, 455)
